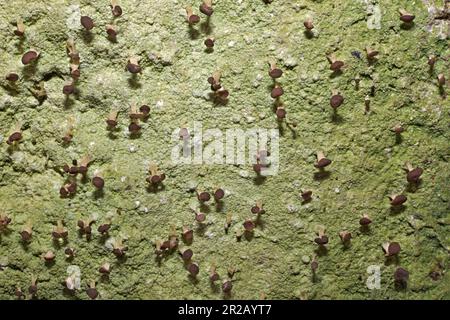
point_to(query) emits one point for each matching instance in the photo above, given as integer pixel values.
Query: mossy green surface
(367, 157)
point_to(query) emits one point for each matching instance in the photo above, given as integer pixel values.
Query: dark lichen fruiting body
(280, 113)
(203, 196)
(12, 77)
(111, 32)
(156, 176)
(200, 216)
(441, 79)
(104, 228)
(133, 66)
(257, 208)
(365, 220)
(336, 100)
(227, 285)
(335, 64)
(186, 254)
(306, 195)
(105, 268)
(91, 291)
(209, 43)
(398, 129)
(69, 88)
(49, 256)
(314, 265)
(274, 72)
(98, 182)
(308, 24)
(206, 8)
(219, 194)
(20, 28)
(60, 232)
(33, 288)
(249, 225)
(4, 221)
(401, 277)
(115, 8)
(193, 269)
(413, 174)
(119, 249)
(26, 233)
(322, 238)
(111, 121)
(14, 137)
(85, 226)
(134, 128)
(276, 92)
(69, 252)
(345, 237)
(191, 17)
(432, 61)
(145, 110)
(371, 53)
(213, 275)
(391, 248)
(188, 234)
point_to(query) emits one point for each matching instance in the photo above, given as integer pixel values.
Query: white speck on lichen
(73, 17)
